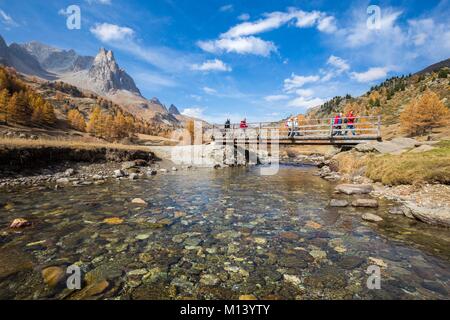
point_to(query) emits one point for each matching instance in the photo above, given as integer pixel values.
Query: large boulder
(365, 203)
(435, 216)
(395, 146)
(371, 217)
(354, 188)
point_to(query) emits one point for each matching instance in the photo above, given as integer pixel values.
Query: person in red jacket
(243, 124)
(337, 125)
(351, 123)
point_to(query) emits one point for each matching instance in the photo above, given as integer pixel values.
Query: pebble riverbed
(215, 234)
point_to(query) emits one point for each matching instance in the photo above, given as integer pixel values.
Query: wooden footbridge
(307, 132)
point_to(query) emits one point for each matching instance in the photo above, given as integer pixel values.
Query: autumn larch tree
(76, 120)
(4, 99)
(19, 110)
(422, 115)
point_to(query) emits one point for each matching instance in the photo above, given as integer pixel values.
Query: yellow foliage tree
(76, 120)
(190, 127)
(4, 99)
(19, 110)
(94, 125)
(422, 115)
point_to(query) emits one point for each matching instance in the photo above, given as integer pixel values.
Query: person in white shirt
(289, 126)
(295, 131)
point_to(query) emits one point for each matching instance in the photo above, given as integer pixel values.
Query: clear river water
(216, 234)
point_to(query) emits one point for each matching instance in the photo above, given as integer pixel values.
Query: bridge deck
(308, 132)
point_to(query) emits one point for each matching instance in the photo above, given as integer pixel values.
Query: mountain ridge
(100, 74)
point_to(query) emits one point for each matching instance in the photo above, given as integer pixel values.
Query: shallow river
(215, 234)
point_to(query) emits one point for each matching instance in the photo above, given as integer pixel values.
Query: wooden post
(379, 127)
(331, 128)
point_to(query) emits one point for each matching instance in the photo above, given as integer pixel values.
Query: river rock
(435, 286)
(338, 203)
(434, 216)
(396, 211)
(128, 165)
(365, 203)
(354, 188)
(19, 223)
(152, 172)
(209, 280)
(350, 262)
(53, 275)
(248, 297)
(69, 172)
(288, 235)
(139, 201)
(91, 290)
(13, 261)
(133, 176)
(291, 279)
(371, 217)
(119, 173)
(422, 148)
(62, 181)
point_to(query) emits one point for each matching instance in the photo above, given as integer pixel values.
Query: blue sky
(260, 59)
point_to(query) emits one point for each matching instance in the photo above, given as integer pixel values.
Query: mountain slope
(17, 57)
(56, 60)
(100, 75)
(390, 98)
(435, 67)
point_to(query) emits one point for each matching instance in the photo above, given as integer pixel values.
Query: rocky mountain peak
(174, 110)
(108, 76)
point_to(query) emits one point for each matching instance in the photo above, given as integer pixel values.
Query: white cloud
(240, 38)
(209, 90)
(327, 24)
(296, 82)
(275, 20)
(370, 75)
(212, 65)
(244, 17)
(7, 19)
(194, 112)
(226, 8)
(305, 92)
(360, 35)
(241, 45)
(302, 102)
(275, 98)
(110, 32)
(339, 63)
(123, 38)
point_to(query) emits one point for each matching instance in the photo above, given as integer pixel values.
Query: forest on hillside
(24, 105)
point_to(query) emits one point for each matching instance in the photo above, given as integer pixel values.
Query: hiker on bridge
(337, 125)
(243, 124)
(289, 125)
(350, 121)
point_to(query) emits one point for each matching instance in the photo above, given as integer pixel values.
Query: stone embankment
(429, 203)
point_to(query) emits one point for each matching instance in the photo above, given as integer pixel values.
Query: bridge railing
(363, 127)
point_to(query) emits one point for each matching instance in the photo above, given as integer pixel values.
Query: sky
(258, 59)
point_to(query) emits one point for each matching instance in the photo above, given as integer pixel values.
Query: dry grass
(412, 168)
(62, 143)
(350, 163)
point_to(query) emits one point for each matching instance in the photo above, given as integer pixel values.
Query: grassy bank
(62, 143)
(411, 168)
